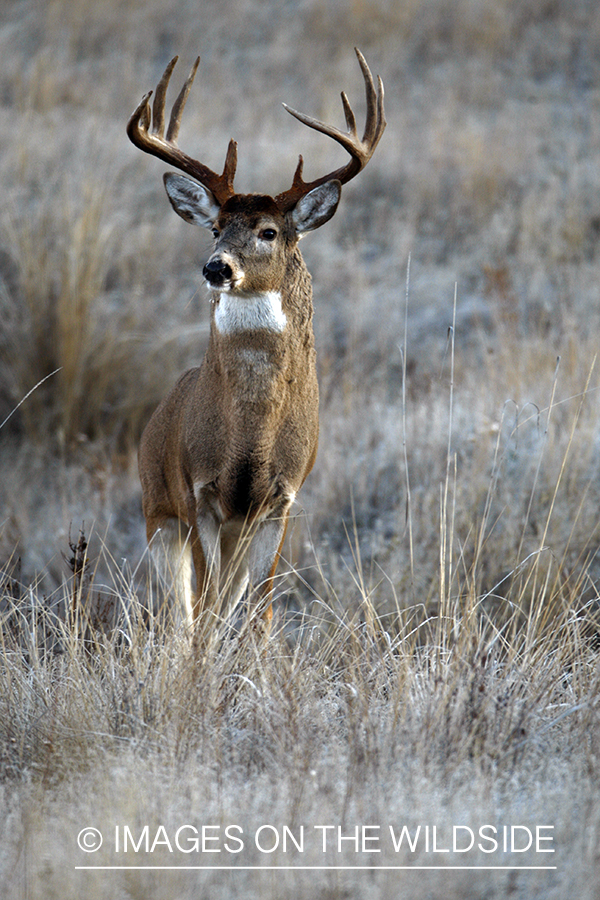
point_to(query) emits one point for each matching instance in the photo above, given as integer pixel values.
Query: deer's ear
(316, 207)
(191, 200)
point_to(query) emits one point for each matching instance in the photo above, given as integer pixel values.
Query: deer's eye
(215, 233)
(268, 234)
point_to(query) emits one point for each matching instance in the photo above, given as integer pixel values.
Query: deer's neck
(261, 347)
(239, 313)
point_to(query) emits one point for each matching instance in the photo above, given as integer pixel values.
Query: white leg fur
(172, 556)
(234, 578)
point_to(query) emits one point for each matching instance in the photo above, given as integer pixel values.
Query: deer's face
(251, 243)
(253, 238)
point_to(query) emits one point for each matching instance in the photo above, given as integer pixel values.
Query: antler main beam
(146, 129)
(361, 151)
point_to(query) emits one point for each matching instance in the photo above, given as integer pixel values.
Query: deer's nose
(217, 271)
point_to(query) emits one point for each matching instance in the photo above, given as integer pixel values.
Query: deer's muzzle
(217, 272)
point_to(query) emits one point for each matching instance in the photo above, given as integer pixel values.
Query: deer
(224, 455)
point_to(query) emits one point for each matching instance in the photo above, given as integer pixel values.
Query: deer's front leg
(206, 553)
(170, 540)
(263, 557)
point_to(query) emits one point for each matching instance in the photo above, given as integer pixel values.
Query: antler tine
(360, 150)
(146, 130)
(158, 107)
(178, 106)
(349, 115)
(374, 102)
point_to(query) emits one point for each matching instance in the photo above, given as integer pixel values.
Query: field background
(434, 658)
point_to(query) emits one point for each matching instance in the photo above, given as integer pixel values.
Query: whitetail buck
(225, 453)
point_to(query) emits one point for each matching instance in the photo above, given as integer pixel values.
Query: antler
(361, 151)
(150, 137)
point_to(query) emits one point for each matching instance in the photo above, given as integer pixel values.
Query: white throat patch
(252, 312)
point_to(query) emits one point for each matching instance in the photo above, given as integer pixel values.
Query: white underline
(323, 868)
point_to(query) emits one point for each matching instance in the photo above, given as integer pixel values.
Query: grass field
(433, 662)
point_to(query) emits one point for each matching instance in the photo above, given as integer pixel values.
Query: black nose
(217, 272)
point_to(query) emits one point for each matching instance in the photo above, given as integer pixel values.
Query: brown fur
(244, 424)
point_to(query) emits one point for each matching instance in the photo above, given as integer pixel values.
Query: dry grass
(434, 656)
(460, 718)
